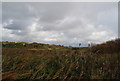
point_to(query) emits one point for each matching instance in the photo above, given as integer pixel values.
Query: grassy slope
(41, 61)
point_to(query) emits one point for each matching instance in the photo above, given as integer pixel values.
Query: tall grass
(63, 63)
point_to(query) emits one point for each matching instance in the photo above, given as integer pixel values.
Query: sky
(64, 23)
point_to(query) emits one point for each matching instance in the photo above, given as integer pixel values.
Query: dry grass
(63, 63)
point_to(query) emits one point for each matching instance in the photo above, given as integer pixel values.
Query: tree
(79, 44)
(88, 45)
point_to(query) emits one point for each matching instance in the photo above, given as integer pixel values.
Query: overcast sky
(66, 23)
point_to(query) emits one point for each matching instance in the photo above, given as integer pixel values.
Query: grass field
(30, 61)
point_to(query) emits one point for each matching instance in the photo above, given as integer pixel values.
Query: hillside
(28, 61)
(109, 47)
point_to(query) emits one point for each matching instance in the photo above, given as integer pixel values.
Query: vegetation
(108, 47)
(31, 61)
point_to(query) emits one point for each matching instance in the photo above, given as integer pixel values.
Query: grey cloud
(60, 23)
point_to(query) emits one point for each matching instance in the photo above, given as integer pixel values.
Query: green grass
(62, 63)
